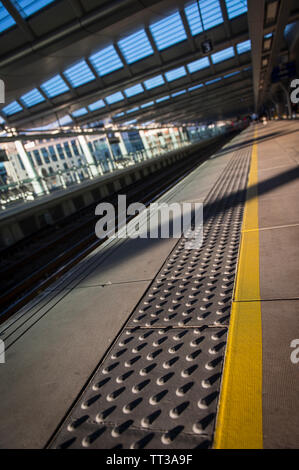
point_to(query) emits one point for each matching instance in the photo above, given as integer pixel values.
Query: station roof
(75, 62)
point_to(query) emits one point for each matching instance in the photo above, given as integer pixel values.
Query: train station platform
(148, 344)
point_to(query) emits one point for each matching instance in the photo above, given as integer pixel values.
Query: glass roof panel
(79, 74)
(106, 61)
(175, 74)
(198, 64)
(203, 15)
(32, 98)
(29, 7)
(244, 46)
(135, 47)
(12, 108)
(154, 82)
(162, 99)
(114, 98)
(145, 105)
(79, 112)
(134, 90)
(178, 93)
(168, 31)
(225, 54)
(236, 8)
(54, 87)
(96, 105)
(6, 20)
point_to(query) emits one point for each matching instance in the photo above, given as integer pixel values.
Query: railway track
(45, 258)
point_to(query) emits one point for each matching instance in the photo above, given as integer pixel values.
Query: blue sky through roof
(32, 98)
(12, 108)
(236, 8)
(168, 31)
(106, 61)
(203, 15)
(96, 105)
(114, 98)
(225, 54)
(198, 64)
(79, 112)
(158, 80)
(135, 47)
(146, 105)
(175, 74)
(134, 90)
(244, 46)
(54, 86)
(79, 74)
(6, 20)
(29, 7)
(164, 98)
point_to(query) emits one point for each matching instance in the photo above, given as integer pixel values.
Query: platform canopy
(81, 62)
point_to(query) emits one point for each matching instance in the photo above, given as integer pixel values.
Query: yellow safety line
(239, 420)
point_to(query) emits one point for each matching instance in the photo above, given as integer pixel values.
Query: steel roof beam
(99, 94)
(277, 42)
(256, 14)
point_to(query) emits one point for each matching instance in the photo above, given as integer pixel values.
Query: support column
(173, 137)
(145, 143)
(111, 162)
(88, 155)
(288, 99)
(121, 144)
(37, 186)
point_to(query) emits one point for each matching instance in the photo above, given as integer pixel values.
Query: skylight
(162, 99)
(195, 87)
(79, 112)
(54, 87)
(106, 61)
(119, 114)
(236, 8)
(134, 90)
(12, 108)
(114, 98)
(231, 74)
(168, 31)
(215, 80)
(132, 110)
(154, 82)
(28, 7)
(145, 105)
(6, 21)
(64, 120)
(175, 74)
(178, 93)
(244, 46)
(96, 105)
(130, 122)
(79, 74)
(225, 54)
(1, 120)
(135, 47)
(210, 15)
(198, 65)
(32, 98)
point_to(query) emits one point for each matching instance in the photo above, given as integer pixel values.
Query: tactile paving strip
(158, 385)
(163, 381)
